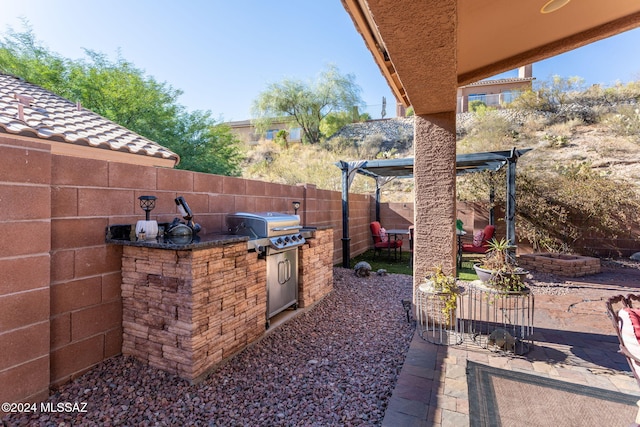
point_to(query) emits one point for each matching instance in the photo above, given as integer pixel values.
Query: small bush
(371, 146)
(625, 121)
(557, 141)
(477, 105)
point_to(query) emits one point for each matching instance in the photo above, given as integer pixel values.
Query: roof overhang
(415, 44)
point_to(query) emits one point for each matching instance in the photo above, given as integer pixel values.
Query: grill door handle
(284, 271)
(290, 227)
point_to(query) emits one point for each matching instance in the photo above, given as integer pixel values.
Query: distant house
(246, 132)
(495, 93)
(29, 111)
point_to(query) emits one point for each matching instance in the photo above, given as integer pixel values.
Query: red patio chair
(624, 312)
(380, 243)
(483, 247)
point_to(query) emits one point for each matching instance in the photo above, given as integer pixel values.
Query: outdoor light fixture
(553, 5)
(147, 229)
(296, 206)
(147, 203)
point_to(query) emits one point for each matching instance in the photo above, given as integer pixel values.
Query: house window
(271, 134)
(478, 97)
(295, 134)
(509, 96)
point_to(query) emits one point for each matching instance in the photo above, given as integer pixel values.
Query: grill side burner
(276, 237)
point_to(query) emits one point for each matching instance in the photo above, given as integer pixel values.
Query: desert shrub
(556, 141)
(490, 130)
(371, 146)
(340, 144)
(620, 93)
(557, 209)
(531, 100)
(476, 105)
(624, 121)
(559, 135)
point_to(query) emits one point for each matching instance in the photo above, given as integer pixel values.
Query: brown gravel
(335, 364)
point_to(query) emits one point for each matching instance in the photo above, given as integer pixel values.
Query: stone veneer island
(189, 306)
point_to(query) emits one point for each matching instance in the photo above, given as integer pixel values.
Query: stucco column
(435, 193)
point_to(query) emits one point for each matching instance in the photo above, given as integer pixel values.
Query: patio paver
(579, 348)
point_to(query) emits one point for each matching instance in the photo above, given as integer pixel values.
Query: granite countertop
(125, 235)
(121, 235)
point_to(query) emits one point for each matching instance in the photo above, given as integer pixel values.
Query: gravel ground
(624, 272)
(335, 364)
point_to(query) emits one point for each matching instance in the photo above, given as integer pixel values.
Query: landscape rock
(362, 269)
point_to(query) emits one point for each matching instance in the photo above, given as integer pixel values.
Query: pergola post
(378, 191)
(492, 199)
(510, 210)
(346, 240)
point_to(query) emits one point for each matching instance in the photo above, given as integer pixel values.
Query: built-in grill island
(276, 237)
(190, 303)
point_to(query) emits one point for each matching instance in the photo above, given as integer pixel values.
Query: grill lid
(263, 224)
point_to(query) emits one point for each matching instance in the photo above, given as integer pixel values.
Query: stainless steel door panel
(282, 281)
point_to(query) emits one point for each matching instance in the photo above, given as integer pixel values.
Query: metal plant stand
(495, 319)
(434, 324)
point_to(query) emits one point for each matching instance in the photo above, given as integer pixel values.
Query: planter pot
(488, 276)
(483, 274)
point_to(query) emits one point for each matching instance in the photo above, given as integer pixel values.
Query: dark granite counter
(123, 235)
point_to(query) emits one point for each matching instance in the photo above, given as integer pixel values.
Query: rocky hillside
(557, 140)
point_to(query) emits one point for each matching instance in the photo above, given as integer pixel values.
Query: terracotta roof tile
(54, 118)
(501, 81)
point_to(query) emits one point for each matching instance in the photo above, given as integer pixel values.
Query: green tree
(124, 94)
(333, 122)
(205, 146)
(307, 104)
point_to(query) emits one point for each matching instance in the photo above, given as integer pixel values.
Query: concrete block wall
(60, 300)
(25, 227)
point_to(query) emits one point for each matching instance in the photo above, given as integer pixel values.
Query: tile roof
(51, 117)
(501, 81)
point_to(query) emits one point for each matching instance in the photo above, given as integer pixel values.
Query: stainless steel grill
(276, 237)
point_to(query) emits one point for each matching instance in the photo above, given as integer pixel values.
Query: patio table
(395, 232)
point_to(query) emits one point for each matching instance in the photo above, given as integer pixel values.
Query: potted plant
(446, 289)
(499, 268)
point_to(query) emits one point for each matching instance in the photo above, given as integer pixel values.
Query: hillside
(555, 143)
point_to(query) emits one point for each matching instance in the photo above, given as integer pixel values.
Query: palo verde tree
(125, 95)
(307, 104)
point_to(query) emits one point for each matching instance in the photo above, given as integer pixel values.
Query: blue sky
(222, 54)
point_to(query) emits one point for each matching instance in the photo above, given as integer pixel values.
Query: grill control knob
(286, 239)
(279, 241)
(294, 238)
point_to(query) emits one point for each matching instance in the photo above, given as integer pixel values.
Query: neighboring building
(246, 132)
(495, 93)
(27, 110)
